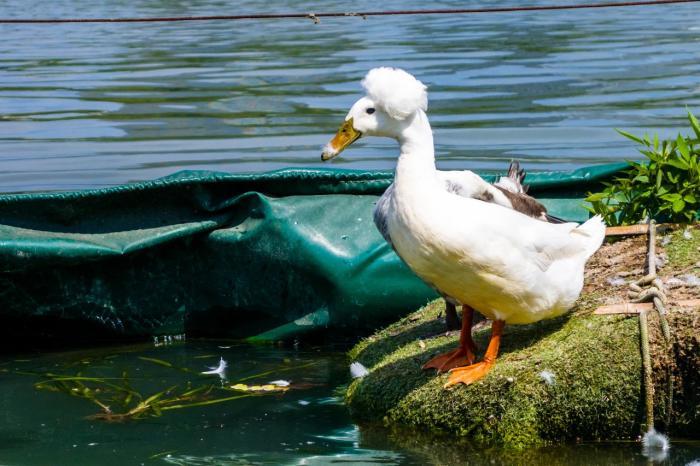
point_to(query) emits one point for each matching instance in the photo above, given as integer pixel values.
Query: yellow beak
(345, 136)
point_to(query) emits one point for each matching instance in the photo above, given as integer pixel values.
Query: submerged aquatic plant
(119, 401)
(665, 187)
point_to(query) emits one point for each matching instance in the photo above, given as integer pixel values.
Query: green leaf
(653, 156)
(631, 136)
(678, 205)
(682, 147)
(596, 197)
(671, 197)
(694, 123)
(678, 164)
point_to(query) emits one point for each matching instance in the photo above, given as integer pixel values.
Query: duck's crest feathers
(397, 92)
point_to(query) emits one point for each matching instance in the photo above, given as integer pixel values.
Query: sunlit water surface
(85, 105)
(307, 424)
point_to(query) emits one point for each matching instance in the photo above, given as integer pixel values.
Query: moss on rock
(596, 392)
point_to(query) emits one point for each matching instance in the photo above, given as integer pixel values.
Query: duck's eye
(370, 111)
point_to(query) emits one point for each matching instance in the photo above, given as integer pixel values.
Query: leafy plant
(665, 187)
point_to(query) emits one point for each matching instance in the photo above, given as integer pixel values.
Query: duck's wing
(515, 190)
(528, 205)
(552, 243)
(509, 191)
(466, 183)
(381, 212)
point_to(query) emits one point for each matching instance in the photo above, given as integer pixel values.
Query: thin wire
(362, 14)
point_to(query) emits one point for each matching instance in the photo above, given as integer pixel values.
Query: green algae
(684, 249)
(596, 393)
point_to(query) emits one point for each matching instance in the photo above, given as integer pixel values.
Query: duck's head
(393, 97)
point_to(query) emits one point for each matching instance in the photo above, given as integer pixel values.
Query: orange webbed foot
(468, 375)
(464, 354)
(455, 358)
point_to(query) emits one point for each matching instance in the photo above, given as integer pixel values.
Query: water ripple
(85, 105)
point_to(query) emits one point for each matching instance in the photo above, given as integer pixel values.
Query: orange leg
(470, 374)
(464, 354)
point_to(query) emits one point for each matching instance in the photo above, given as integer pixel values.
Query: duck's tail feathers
(594, 232)
(513, 182)
(517, 174)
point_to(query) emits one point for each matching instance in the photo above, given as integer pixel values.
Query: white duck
(509, 192)
(512, 268)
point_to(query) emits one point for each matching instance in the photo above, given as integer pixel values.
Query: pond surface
(85, 105)
(306, 424)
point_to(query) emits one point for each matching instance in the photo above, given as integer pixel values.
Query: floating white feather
(280, 383)
(357, 370)
(548, 377)
(219, 370)
(616, 281)
(395, 91)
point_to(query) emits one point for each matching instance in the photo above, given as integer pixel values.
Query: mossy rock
(597, 391)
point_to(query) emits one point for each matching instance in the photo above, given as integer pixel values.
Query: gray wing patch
(454, 187)
(381, 212)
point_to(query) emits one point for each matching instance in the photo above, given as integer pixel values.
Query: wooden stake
(641, 229)
(636, 308)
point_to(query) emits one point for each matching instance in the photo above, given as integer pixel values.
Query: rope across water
(362, 14)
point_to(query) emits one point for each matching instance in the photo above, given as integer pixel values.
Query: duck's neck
(416, 165)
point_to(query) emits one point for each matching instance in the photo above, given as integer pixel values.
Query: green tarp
(267, 255)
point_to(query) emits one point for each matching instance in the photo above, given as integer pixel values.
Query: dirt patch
(621, 261)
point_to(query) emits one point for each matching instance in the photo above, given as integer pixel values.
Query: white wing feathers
(568, 241)
(466, 183)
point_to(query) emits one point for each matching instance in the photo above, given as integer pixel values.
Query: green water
(307, 424)
(85, 105)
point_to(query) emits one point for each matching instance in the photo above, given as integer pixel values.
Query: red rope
(363, 14)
